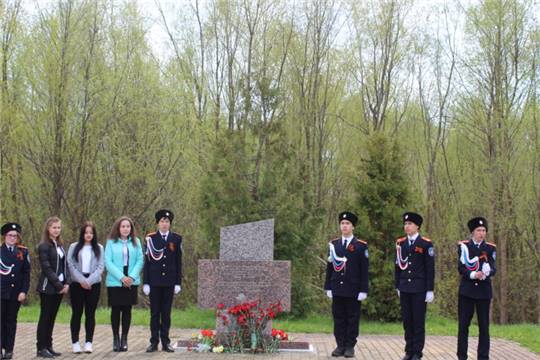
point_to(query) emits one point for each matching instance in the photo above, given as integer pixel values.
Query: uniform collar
(477, 244)
(413, 237)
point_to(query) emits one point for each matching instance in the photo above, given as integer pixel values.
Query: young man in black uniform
(162, 278)
(414, 281)
(476, 265)
(15, 281)
(346, 283)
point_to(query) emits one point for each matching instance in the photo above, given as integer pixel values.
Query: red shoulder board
(401, 239)
(491, 244)
(334, 240)
(151, 234)
(19, 246)
(463, 242)
(362, 241)
(428, 240)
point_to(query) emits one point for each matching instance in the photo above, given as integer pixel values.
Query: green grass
(193, 318)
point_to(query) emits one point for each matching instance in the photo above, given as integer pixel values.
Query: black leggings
(83, 301)
(115, 319)
(47, 315)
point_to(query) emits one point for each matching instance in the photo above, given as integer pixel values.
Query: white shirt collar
(347, 239)
(477, 243)
(164, 234)
(412, 237)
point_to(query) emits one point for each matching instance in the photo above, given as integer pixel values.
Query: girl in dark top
(52, 285)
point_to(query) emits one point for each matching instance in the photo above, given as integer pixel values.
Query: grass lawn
(194, 318)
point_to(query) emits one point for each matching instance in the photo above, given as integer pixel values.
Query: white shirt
(346, 239)
(164, 236)
(477, 244)
(59, 250)
(60, 253)
(412, 238)
(125, 251)
(86, 258)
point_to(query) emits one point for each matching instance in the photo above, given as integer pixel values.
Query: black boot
(116, 343)
(123, 343)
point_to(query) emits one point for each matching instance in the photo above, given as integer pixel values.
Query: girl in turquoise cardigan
(123, 261)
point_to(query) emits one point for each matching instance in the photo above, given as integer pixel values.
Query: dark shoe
(407, 357)
(349, 352)
(116, 343)
(44, 354)
(8, 355)
(123, 343)
(167, 348)
(53, 353)
(151, 348)
(339, 351)
(416, 357)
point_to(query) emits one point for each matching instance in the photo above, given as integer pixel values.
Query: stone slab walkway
(370, 347)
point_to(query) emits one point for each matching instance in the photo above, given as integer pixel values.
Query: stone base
(284, 346)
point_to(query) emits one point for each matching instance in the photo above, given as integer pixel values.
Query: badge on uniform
(419, 250)
(366, 254)
(494, 255)
(172, 246)
(431, 252)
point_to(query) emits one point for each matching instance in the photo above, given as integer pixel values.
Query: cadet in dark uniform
(476, 266)
(414, 281)
(162, 278)
(15, 281)
(346, 283)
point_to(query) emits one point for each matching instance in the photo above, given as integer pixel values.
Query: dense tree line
(290, 110)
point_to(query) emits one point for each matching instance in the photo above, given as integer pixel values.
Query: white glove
(362, 296)
(146, 289)
(429, 296)
(329, 293)
(398, 294)
(486, 269)
(177, 289)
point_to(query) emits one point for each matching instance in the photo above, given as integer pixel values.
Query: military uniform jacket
(353, 277)
(415, 265)
(15, 276)
(485, 253)
(163, 260)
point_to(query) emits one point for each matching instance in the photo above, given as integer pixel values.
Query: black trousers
(48, 309)
(346, 313)
(413, 312)
(86, 301)
(161, 299)
(9, 309)
(466, 308)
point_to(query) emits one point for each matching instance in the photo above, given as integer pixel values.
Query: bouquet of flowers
(245, 325)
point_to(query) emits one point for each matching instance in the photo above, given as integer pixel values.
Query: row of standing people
(79, 272)
(347, 279)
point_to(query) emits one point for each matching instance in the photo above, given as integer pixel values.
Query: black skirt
(122, 296)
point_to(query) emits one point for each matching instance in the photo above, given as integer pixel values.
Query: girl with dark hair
(52, 285)
(86, 263)
(124, 261)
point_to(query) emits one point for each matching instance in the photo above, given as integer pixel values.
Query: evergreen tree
(380, 197)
